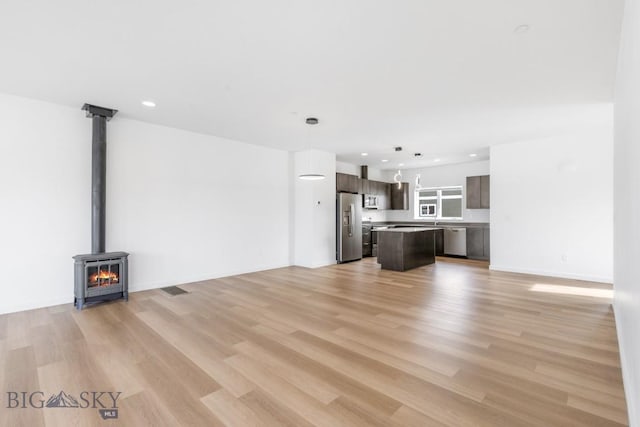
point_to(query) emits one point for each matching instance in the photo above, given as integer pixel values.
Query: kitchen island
(404, 248)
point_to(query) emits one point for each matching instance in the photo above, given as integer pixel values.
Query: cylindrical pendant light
(311, 176)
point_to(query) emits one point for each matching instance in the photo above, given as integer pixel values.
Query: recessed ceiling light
(401, 164)
(521, 29)
(149, 104)
(384, 160)
(472, 155)
(364, 154)
(436, 160)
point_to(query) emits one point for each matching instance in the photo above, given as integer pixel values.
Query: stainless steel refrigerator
(349, 227)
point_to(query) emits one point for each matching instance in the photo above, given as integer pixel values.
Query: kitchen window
(438, 203)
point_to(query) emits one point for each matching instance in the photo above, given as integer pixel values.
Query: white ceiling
(444, 78)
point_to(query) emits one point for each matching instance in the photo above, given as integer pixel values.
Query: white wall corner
(626, 299)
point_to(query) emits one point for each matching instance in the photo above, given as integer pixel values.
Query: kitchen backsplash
(374, 215)
(469, 215)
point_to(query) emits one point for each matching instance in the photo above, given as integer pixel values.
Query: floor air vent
(174, 290)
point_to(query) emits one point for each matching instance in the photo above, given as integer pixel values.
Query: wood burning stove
(99, 276)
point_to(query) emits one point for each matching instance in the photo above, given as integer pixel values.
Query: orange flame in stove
(104, 276)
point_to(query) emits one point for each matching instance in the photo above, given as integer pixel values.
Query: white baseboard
(32, 305)
(133, 287)
(139, 287)
(562, 275)
(630, 391)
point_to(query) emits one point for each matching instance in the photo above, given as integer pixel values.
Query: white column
(314, 242)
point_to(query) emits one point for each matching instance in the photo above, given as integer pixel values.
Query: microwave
(369, 201)
(427, 209)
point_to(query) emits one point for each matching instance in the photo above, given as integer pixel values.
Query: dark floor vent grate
(174, 290)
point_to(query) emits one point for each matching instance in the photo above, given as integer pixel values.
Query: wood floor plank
(353, 414)
(231, 411)
(320, 390)
(205, 360)
(184, 405)
(279, 389)
(419, 371)
(144, 409)
(20, 376)
(17, 335)
(50, 377)
(271, 412)
(408, 417)
(600, 409)
(373, 400)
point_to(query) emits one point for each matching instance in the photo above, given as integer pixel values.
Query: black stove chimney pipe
(99, 117)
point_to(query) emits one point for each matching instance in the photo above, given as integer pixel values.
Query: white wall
(551, 205)
(627, 208)
(314, 210)
(373, 173)
(440, 176)
(347, 168)
(186, 206)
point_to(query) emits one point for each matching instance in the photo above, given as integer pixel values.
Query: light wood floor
(451, 344)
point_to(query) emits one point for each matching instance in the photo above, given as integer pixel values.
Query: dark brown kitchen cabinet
(487, 244)
(365, 186)
(478, 192)
(366, 241)
(475, 242)
(399, 196)
(346, 183)
(372, 189)
(478, 243)
(485, 194)
(386, 188)
(383, 191)
(440, 242)
(379, 189)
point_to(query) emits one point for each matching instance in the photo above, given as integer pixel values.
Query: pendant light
(398, 178)
(418, 186)
(311, 176)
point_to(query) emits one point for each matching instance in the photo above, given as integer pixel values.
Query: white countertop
(406, 229)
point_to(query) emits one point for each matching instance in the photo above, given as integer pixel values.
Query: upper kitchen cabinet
(478, 194)
(346, 183)
(383, 192)
(400, 196)
(365, 186)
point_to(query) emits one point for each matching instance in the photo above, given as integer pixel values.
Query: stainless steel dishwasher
(455, 241)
